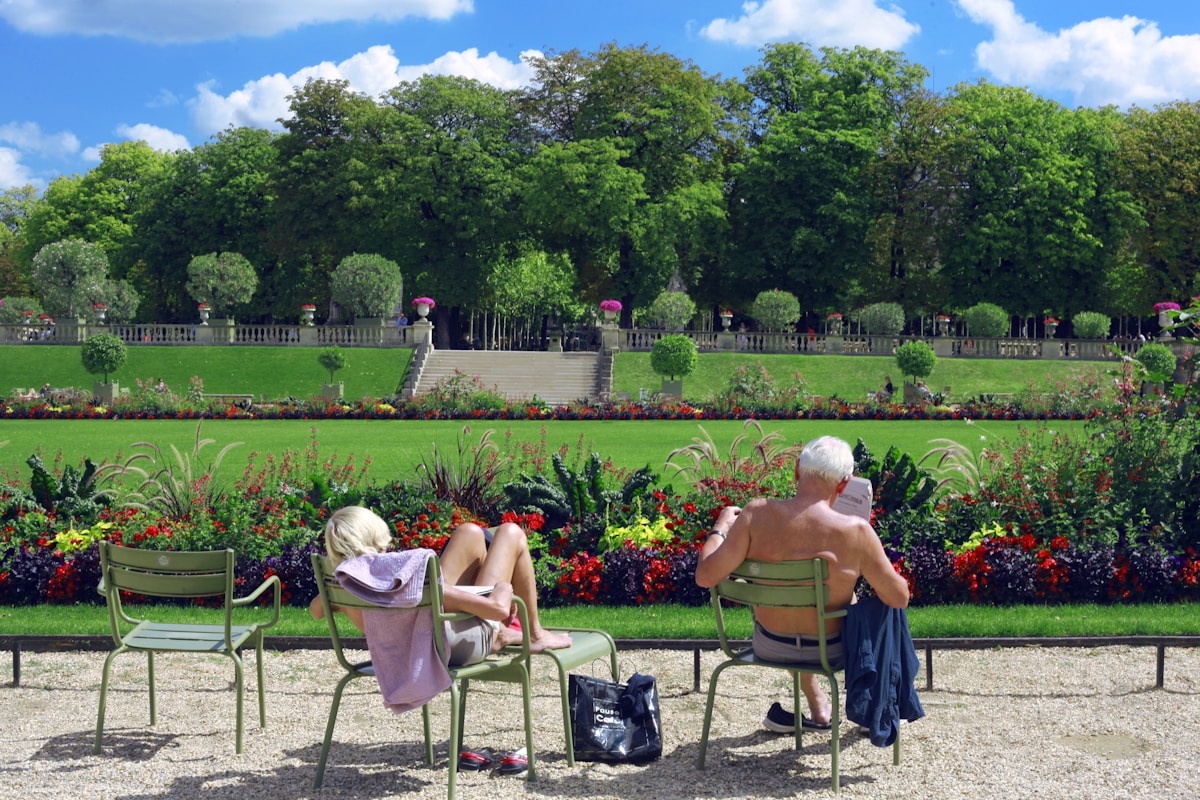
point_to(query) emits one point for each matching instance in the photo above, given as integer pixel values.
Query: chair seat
(184, 638)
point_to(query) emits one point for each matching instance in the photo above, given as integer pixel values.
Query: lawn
(397, 446)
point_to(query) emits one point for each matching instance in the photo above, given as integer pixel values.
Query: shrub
(366, 285)
(986, 319)
(1158, 360)
(223, 280)
(331, 359)
(672, 310)
(916, 359)
(103, 354)
(673, 356)
(1091, 325)
(775, 309)
(11, 308)
(882, 319)
(68, 273)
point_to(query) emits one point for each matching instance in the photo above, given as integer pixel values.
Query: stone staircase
(556, 378)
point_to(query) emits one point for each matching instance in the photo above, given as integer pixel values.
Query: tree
(803, 200)
(775, 309)
(1091, 325)
(11, 308)
(102, 354)
(915, 358)
(882, 319)
(223, 280)
(69, 274)
(672, 310)
(366, 285)
(674, 356)
(986, 319)
(332, 359)
(1158, 361)
(646, 128)
(16, 204)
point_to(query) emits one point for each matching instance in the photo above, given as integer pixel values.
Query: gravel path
(1021, 723)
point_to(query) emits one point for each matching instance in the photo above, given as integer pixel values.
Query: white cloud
(1119, 61)
(12, 172)
(29, 137)
(159, 21)
(821, 23)
(260, 103)
(159, 139)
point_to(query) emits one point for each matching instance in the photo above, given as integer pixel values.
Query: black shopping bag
(615, 722)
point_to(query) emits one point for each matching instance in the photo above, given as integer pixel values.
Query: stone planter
(1051, 329)
(422, 310)
(726, 319)
(672, 388)
(332, 392)
(106, 393)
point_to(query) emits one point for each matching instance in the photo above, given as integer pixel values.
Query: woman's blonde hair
(355, 531)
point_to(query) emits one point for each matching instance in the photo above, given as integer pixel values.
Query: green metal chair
(158, 573)
(509, 666)
(783, 584)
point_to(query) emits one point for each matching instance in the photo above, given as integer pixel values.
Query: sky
(77, 74)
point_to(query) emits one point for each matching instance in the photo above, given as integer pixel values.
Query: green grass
(677, 622)
(265, 372)
(397, 446)
(850, 377)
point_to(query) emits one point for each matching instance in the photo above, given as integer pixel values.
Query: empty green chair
(162, 573)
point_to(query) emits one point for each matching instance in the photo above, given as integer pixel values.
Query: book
(480, 590)
(855, 500)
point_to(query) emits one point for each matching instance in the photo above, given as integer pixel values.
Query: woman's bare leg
(463, 555)
(508, 559)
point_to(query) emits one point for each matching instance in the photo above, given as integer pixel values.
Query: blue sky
(81, 73)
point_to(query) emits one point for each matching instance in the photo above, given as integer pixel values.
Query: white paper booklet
(856, 499)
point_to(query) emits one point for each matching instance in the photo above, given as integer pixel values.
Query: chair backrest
(333, 595)
(777, 584)
(164, 573)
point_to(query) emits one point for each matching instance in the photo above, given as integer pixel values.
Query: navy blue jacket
(881, 665)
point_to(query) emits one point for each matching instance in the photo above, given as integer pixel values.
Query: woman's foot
(542, 639)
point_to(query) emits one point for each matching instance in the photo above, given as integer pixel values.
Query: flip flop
(809, 725)
(514, 763)
(476, 760)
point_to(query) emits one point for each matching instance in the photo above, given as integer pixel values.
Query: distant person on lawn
(805, 526)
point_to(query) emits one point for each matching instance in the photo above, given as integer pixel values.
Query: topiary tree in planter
(332, 359)
(672, 310)
(101, 355)
(223, 280)
(916, 359)
(882, 319)
(1091, 325)
(775, 309)
(986, 319)
(1158, 361)
(673, 357)
(366, 285)
(69, 274)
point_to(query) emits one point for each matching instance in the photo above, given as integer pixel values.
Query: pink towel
(401, 644)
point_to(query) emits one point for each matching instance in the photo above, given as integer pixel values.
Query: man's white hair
(827, 459)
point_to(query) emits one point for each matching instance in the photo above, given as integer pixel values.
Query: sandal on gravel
(476, 760)
(514, 763)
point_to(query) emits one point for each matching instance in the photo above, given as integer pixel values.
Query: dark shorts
(795, 648)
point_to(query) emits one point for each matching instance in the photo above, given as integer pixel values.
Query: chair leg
(428, 734)
(150, 675)
(455, 738)
(568, 733)
(240, 685)
(96, 746)
(262, 695)
(333, 710)
(798, 733)
(835, 737)
(526, 697)
(708, 709)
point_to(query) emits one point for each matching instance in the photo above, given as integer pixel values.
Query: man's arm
(725, 548)
(888, 584)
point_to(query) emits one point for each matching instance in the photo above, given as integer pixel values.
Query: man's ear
(842, 484)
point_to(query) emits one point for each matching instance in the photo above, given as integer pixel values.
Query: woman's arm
(498, 604)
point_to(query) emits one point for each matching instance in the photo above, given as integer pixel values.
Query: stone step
(555, 378)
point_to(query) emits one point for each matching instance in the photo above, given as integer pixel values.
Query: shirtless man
(466, 560)
(804, 526)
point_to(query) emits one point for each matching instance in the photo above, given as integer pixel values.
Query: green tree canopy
(366, 285)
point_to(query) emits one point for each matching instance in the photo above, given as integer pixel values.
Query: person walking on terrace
(804, 526)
